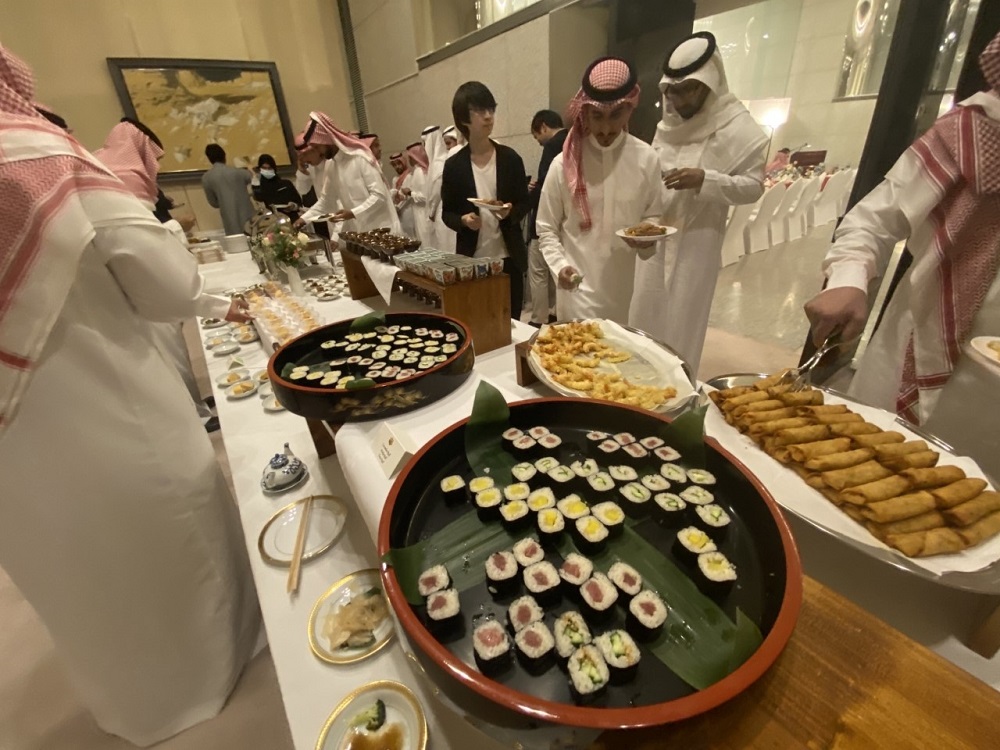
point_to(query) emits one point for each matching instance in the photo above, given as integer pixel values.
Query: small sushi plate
(222, 339)
(273, 405)
(261, 376)
(248, 337)
(650, 239)
(232, 377)
(212, 323)
(338, 595)
(277, 539)
(405, 725)
(222, 351)
(241, 390)
(264, 390)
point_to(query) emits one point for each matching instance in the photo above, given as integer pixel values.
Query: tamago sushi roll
(454, 489)
(717, 573)
(551, 525)
(691, 542)
(612, 516)
(591, 535)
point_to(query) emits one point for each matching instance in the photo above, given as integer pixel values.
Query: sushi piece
(611, 515)
(549, 442)
(542, 580)
(515, 515)
(623, 473)
(518, 491)
(669, 508)
(524, 471)
(626, 579)
(541, 499)
(512, 434)
(651, 443)
(700, 476)
(535, 647)
(478, 484)
(433, 579)
(636, 498)
(635, 451)
(646, 615)
(591, 535)
(522, 612)
(551, 525)
(488, 504)
(596, 436)
(570, 632)
(572, 507)
(714, 518)
(691, 542)
(717, 573)
(673, 473)
(527, 552)
(523, 446)
(453, 488)
(501, 573)
(598, 597)
(601, 482)
(655, 483)
(697, 496)
(624, 438)
(537, 432)
(575, 570)
(444, 609)
(546, 464)
(561, 476)
(666, 453)
(620, 653)
(585, 469)
(608, 447)
(588, 673)
(492, 647)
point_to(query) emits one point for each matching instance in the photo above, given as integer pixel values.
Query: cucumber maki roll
(588, 673)
(673, 473)
(623, 473)
(620, 653)
(714, 519)
(655, 483)
(636, 499)
(669, 509)
(570, 632)
(697, 496)
(700, 476)
(546, 464)
(524, 472)
(601, 482)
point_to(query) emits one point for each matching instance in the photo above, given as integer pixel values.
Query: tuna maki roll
(608, 447)
(522, 612)
(478, 484)
(717, 573)
(636, 498)
(453, 488)
(620, 653)
(518, 491)
(524, 472)
(670, 509)
(492, 647)
(433, 579)
(527, 552)
(537, 432)
(488, 504)
(623, 473)
(651, 443)
(541, 499)
(691, 542)
(501, 573)
(666, 453)
(611, 515)
(572, 507)
(635, 451)
(673, 473)
(512, 434)
(646, 615)
(525, 446)
(575, 570)
(551, 525)
(546, 464)
(515, 515)
(550, 442)
(596, 436)
(624, 438)
(598, 596)
(601, 482)
(443, 609)
(697, 496)
(700, 476)
(570, 632)
(535, 647)
(655, 483)
(588, 673)
(626, 579)
(714, 518)
(591, 535)
(542, 580)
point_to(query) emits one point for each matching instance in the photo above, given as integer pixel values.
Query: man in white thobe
(944, 196)
(401, 191)
(353, 193)
(443, 238)
(418, 185)
(604, 180)
(454, 141)
(712, 157)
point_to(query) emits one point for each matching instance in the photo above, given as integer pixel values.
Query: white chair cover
(796, 222)
(827, 205)
(758, 237)
(776, 226)
(734, 244)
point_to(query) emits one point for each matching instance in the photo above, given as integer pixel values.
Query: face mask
(267, 173)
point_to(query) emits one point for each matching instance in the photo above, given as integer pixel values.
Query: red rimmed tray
(770, 592)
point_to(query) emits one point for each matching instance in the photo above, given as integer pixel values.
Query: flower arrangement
(284, 245)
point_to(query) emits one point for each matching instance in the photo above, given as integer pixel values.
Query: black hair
(215, 153)
(143, 129)
(266, 159)
(784, 151)
(471, 94)
(53, 118)
(546, 117)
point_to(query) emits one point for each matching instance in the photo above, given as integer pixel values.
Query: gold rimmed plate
(277, 539)
(357, 584)
(405, 725)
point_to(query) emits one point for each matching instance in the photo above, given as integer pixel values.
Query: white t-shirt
(490, 244)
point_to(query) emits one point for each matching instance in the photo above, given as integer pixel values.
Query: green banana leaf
(484, 435)
(367, 322)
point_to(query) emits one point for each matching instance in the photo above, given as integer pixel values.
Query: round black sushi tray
(381, 399)
(758, 542)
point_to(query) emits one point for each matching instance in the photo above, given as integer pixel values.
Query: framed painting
(191, 103)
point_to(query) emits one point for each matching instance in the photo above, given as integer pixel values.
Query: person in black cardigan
(485, 169)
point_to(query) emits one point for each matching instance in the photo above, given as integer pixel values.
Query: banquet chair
(758, 237)
(827, 205)
(734, 244)
(776, 227)
(797, 220)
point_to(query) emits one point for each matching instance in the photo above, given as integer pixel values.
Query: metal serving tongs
(799, 377)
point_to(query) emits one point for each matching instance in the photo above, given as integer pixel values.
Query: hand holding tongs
(799, 377)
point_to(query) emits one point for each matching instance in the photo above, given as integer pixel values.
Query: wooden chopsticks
(300, 543)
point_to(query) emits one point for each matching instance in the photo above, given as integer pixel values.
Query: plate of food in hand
(383, 715)
(603, 360)
(351, 621)
(860, 474)
(212, 323)
(988, 347)
(490, 204)
(646, 233)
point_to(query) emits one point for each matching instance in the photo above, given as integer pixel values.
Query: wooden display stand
(525, 375)
(358, 280)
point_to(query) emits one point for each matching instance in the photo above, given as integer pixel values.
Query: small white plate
(261, 376)
(273, 405)
(222, 351)
(264, 390)
(403, 714)
(236, 391)
(213, 342)
(489, 206)
(212, 323)
(647, 240)
(277, 539)
(232, 378)
(248, 338)
(981, 345)
(339, 594)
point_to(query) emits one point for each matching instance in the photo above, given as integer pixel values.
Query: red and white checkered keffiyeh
(44, 175)
(133, 157)
(418, 154)
(960, 155)
(608, 74)
(325, 133)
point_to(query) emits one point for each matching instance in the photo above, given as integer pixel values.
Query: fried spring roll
(772, 426)
(770, 415)
(808, 411)
(879, 438)
(805, 451)
(925, 479)
(809, 434)
(765, 405)
(745, 398)
(832, 495)
(845, 418)
(925, 543)
(770, 380)
(973, 510)
(932, 519)
(774, 390)
(841, 460)
(727, 393)
(920, 460)
(899, 507)
(981, 530)
(873, 492)
(801, 398)
(891, 450)
(853, 512)
(816, 482)
(855, 428)
(869, 471)
(958, 492)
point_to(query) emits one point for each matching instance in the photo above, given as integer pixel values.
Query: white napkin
(382, 274)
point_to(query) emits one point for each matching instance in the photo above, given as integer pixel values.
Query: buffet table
(846, 679)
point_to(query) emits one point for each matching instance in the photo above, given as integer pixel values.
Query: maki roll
(635, 451)
(624, 438)
(585, 468)
(596, 436)
(575, 570)
(626, 579)
(541, 499)
(514, 514)
(700, 476)
(620, 653)
(588, 673)
(611, 515)
(666, 453)
(453, 488)
(714, 518)
(591, 535)
(443, 609)
(608, 447)
(527, 552)
(697, 496)
(655, 483)
(512, 434)
(717, 573)
(669, 508)
(542, 580)
(524, 472)
(550, 442)
(673, 473)
(570, 632)
(572, 507)
(691, 542)
(501, 573)
(433, 579)
(601, 482)
(646, 615)
(598, 596)
(525, 446)
(623, 473)
(537, 432)
(651, 443)
(551, 525)
(561, 476)
(488, 504)
(522, 612)
(535, 647)
(492, 647)
(636, 498)
(546, 464)
(478, 484)
(519, 491)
